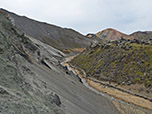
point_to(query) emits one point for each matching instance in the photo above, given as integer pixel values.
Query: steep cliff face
(122, 61)
(20, 89)
(61, 38)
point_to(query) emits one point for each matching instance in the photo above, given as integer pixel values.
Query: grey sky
(87, 15)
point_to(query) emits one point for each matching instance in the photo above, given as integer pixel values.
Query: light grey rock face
(32, 83)
(21, 92)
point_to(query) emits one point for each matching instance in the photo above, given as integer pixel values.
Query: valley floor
(131, 104)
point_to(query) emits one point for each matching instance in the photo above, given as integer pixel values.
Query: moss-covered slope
(122, 61)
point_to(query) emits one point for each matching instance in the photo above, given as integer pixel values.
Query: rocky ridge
(61, 38)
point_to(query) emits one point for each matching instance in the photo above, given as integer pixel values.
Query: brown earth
(121, 95)
(125, 109)
(73, 50)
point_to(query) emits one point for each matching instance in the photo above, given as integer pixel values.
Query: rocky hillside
(32, 81)
(122, 61)
(143, 36)
(20, 91)
(61, 38)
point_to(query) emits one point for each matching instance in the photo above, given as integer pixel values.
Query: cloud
(87, 15)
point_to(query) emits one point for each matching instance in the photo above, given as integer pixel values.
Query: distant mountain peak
(112, 34)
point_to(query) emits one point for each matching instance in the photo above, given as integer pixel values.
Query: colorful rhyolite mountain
(111, 34)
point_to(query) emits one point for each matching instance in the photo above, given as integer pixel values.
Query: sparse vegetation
(122, 61)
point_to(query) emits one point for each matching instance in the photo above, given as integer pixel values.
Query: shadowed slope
(61, 38)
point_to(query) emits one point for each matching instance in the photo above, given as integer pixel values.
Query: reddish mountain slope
(111, 34)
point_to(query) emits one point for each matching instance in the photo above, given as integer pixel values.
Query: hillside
(20, 88)
(61, 38)
(125, 62)
(32, 81)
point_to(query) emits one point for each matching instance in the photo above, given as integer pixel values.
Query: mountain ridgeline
(61, 38)
(112, 35)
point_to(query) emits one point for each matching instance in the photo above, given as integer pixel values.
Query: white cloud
(87, 15)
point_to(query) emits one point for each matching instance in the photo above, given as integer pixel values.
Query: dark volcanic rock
(57, 100)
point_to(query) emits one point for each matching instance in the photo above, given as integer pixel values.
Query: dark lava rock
(57, 100)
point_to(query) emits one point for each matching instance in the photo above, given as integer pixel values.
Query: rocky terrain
(32, 81)
(125, 62)
(61, 38)
(143, 36)
(120, 58)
